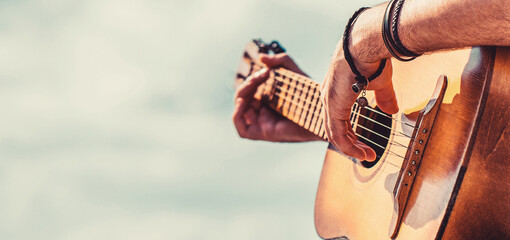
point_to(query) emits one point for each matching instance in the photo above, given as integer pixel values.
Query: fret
(316, 127)
(302, 97)
(268, 89)
(288, 94)
(287, 97)
(323, 133)
(278, 93)
(259, 93)
(309, 102)
(320, 129)
(297, 98)
(300, 101)
(316, 101)
(304, 110)
(293, 105)
(285, 92)
(311, 90)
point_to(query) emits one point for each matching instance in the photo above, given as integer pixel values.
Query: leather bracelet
(361, 81)
(394, 28)
(390, 32)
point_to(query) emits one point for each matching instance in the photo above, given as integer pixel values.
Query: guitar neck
(295, 97)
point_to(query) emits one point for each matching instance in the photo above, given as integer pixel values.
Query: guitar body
(443, 166)
(462, 187)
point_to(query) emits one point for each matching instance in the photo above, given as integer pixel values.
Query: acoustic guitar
(443, 167)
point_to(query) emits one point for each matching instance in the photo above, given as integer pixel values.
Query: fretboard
(295, 97)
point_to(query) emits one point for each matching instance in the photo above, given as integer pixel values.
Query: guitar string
(383, 125)
(296, 87)
(390, 142)
(298, 106)
(290, 101)
(396, 165)
(367, 107)
(370, 141)
(384, 114)
(380, 135)
(307, 102)
(357, 113)
(393, 143)
(298, 78)
(374, 143)
(386, 160)
(390, 163)
(389, 152)
(305, 79)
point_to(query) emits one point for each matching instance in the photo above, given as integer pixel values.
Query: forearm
(431, 25)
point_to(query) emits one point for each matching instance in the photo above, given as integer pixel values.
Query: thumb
(275, 60)
(280, 60)
(386, 99)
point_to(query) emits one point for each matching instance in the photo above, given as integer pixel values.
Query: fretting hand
(256, 121)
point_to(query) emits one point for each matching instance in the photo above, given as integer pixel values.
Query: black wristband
(394, 28)
(390, 32)
(361, 81)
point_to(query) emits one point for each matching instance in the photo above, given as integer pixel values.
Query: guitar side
(356, 202)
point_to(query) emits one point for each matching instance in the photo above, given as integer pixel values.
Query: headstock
(250, 61)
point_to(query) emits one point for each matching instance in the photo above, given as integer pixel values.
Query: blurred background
(115, 119)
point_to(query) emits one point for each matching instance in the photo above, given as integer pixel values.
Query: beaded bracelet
(361, 81)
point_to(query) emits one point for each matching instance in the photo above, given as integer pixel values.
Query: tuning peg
(263, 48)
(276, 47)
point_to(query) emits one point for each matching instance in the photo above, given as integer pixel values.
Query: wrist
(366, 43)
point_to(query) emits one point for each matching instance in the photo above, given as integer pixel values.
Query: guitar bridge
(413, 158)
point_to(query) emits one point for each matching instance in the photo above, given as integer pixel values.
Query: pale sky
(115, 119)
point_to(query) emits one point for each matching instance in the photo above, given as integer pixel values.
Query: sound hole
(376, 131)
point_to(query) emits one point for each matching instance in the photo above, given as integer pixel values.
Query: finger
(281, 60)
(351, 133)
(256, 105)
(344, 143)
(249, 86)
(349, 147)
(370, 154)
(250, 116)
(239, 123)
(265, 115)
(386, 99)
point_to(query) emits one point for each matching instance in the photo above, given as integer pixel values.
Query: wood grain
(482, 207)
(461, 190)
(346, 207)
